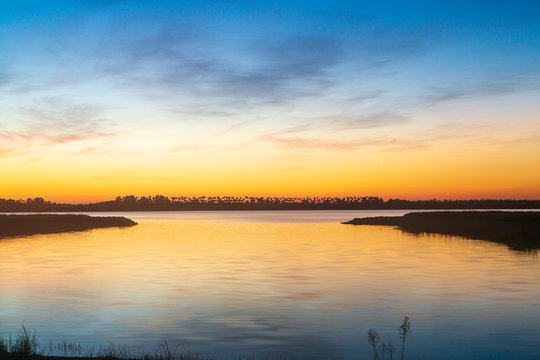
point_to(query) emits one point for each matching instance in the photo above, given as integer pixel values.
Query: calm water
(293, 284)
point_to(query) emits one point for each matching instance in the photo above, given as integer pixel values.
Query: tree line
(195, 203)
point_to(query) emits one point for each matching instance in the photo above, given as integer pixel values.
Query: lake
(271, 284)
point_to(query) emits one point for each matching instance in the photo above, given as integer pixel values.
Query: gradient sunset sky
(410, 99)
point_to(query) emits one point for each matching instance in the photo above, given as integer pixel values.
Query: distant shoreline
(64, 208)
(519, 230)
(228, 203)
(18, 225)
(69, 212)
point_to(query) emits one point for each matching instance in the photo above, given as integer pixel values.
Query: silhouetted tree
(160, 202)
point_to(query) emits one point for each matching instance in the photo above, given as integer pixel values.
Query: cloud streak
(316, 144)
(190, 60)
(490, 85)
(54, 123)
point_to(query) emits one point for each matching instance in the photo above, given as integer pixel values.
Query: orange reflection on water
(190, 277)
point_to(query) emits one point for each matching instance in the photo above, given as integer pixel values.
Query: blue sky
(236, 56)
(82, 77)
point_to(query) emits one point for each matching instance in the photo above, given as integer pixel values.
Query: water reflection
(270, 284)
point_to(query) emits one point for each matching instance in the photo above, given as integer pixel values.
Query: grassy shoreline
(17, 225)
(517, 230)
(26, 347)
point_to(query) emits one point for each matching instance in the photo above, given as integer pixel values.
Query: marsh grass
(25, 346)
(380, 351)
(404, 331)
(4, 347)
(25, 343)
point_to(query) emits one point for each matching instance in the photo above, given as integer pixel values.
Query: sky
(408, 99)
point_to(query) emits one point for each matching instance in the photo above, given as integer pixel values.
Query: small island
(519, 230)
(16, 225)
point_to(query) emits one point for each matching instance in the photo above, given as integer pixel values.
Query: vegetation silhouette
(202, 203)
(373, 341)
(404, 331)
(379, 351)
(518, 230)
(26, 347)
(14, 225)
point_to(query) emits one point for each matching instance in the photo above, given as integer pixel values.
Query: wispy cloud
(492, 84)
(307, 143)
(238, 126)
(365, 121)
(344, 122)
(188, 147)
(53, 122)
(365, 96)
(56, 122)
(377, 144)
(5, 79)
(262, 70)
(213, 66)
(9, 151)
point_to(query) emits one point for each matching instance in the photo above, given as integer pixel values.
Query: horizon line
(291, 199)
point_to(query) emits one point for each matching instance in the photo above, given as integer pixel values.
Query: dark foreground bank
(517, 230)
(14, 225)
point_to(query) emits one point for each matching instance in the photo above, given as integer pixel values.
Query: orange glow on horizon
(450, 169)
